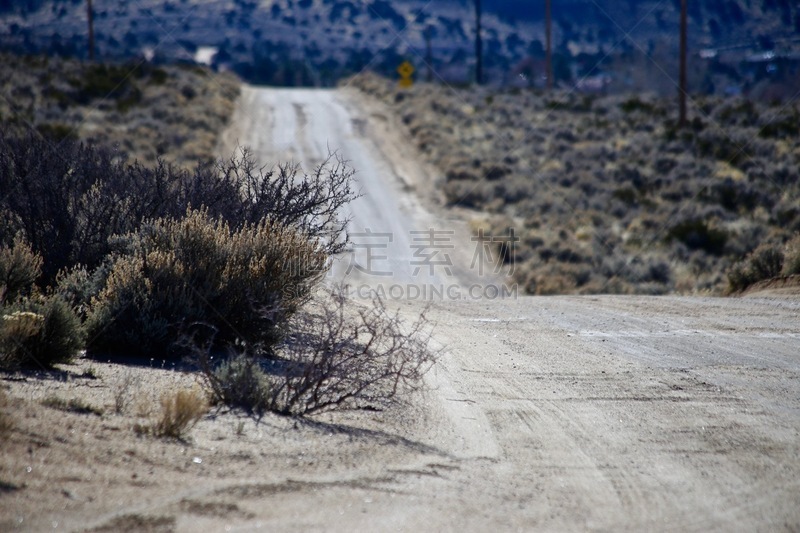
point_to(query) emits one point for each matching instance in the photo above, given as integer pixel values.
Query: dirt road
(560, 413)
(555, 414)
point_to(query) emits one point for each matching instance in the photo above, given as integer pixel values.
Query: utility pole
(478, 44)
(682, 80)
(428, 53)
(90, 15)
(548, 32)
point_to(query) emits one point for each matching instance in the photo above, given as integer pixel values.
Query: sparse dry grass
(180, 411)
(73, 405)
(124, 390)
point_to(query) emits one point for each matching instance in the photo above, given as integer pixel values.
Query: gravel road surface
(560, 413)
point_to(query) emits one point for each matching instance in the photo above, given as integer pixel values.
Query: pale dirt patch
(85, 470)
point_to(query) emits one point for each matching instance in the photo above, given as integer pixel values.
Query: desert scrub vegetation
(173, 274)
(767, 261)
(145, 111)
(123, 245)
(40, 331)
(123, 251)
(605, 192)
(221, 263)
(337, 354)
(37, 328)
(69, 202)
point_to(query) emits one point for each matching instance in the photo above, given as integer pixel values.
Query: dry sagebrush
(39, 332)
(35, 329)
(766, 262)
(174, 274)
(68, 201)
(338, 355)
(19, 269)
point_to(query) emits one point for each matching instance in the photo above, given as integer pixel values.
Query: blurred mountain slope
(316, 42)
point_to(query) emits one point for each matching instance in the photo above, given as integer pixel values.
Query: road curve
(561, 413)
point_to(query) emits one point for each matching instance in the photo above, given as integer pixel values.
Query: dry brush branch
(337, 355)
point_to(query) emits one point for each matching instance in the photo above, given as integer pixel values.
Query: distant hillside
(143, 112)
(602, 44)
(604, 193)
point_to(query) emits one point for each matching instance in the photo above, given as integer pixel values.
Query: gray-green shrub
(39, 332)
(765, 262)
(240, 382)
(244, 283)
(69, 202)
(19, 268)
(35, 330)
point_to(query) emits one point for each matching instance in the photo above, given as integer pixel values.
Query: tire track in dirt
(625, 438)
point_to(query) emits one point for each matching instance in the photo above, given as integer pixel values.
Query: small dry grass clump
(123, 392)
(180, 411)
